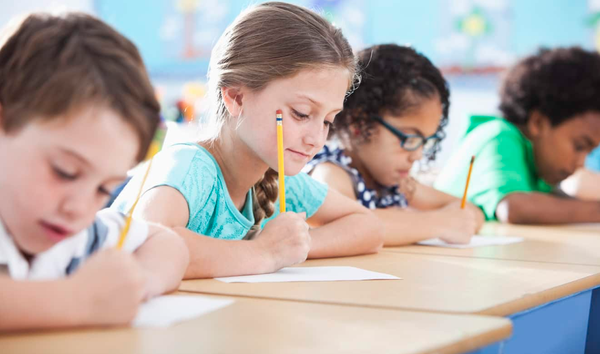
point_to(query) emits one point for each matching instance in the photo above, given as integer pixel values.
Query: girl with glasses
(394, 118)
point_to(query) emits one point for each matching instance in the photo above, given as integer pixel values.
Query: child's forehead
(323, 74)
(317, 86)
(94, 134)
(426, 113)
(71, 114)
(585, 124)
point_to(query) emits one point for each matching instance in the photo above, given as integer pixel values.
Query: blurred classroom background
(472, 41)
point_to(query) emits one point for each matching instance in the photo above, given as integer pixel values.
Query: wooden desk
(430, 283)
(270, 326)
(562, 247)
(586, 227)
(541, 244)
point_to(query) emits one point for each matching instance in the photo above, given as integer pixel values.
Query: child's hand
(109, 288)
(286, 240)
(478, 213)
(457, 225)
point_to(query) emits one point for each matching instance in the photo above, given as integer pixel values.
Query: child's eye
(299, 115)
(63, 175)
(103, 190)
(579, 147)
(328, 124)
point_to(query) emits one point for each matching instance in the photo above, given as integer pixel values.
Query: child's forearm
(37, 305)
(538, 208)
(354, 234)
(164, 257)
(584, 184)
(210, 257)
(405, 227)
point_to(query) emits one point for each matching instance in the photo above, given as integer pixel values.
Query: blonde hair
(267, 42)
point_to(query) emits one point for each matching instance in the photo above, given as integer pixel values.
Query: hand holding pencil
(462, 222)
(285, 238)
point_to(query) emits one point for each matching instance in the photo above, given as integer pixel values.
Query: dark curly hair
(395, 79)
(560, 83)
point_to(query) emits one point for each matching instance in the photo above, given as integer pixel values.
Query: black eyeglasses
(411, 142)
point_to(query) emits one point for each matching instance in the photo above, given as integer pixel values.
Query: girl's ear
(354, 137)
(232, 98)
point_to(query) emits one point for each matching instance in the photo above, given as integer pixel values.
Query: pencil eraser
(279, 111)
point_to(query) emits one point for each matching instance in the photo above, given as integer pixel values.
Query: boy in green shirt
(551, 107)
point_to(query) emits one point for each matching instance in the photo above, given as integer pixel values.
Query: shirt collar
(18, 267)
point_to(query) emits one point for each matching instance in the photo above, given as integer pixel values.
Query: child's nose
(580, 160)
(76, 206)
(416, 155)
(315, 135)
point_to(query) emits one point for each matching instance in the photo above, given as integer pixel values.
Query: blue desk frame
(568, 325)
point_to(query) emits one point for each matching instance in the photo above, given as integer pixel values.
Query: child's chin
(34, 249)
(292, 171)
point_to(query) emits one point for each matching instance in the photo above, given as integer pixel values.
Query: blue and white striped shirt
(66, 256)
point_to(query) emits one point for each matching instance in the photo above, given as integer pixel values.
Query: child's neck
(240, 166)
(4, 228)
(524, 131)
(360, 167)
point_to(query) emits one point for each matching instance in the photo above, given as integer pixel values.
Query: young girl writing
(275, 56)
(389, 122)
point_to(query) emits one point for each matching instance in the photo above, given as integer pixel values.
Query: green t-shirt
(504, 163)
(193, 171)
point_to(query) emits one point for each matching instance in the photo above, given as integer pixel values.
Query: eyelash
(579, 147)
(67, 177)
(102, 190)
(63, 175)
(299, 115)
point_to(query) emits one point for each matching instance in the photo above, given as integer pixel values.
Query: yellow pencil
(130, 214)
(280, 161)
(155, 146)
(464, 199)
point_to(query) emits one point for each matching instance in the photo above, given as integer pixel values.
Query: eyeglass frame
(403, 137)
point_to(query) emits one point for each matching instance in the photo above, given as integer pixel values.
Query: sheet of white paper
(165, 311)
(291, 274)
(476, 241)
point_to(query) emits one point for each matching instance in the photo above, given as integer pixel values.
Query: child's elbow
(174, 247)
(510, 210)
(181, 251)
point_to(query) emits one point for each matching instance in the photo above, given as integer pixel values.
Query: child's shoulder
(488, 128)
(186, 157)
(186, 152)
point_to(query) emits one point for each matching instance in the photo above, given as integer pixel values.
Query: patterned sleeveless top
(370, 198)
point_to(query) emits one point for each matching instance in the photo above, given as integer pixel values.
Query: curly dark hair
(560, 83)
(395, 79)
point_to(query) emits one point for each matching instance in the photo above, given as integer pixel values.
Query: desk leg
(593, 335)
